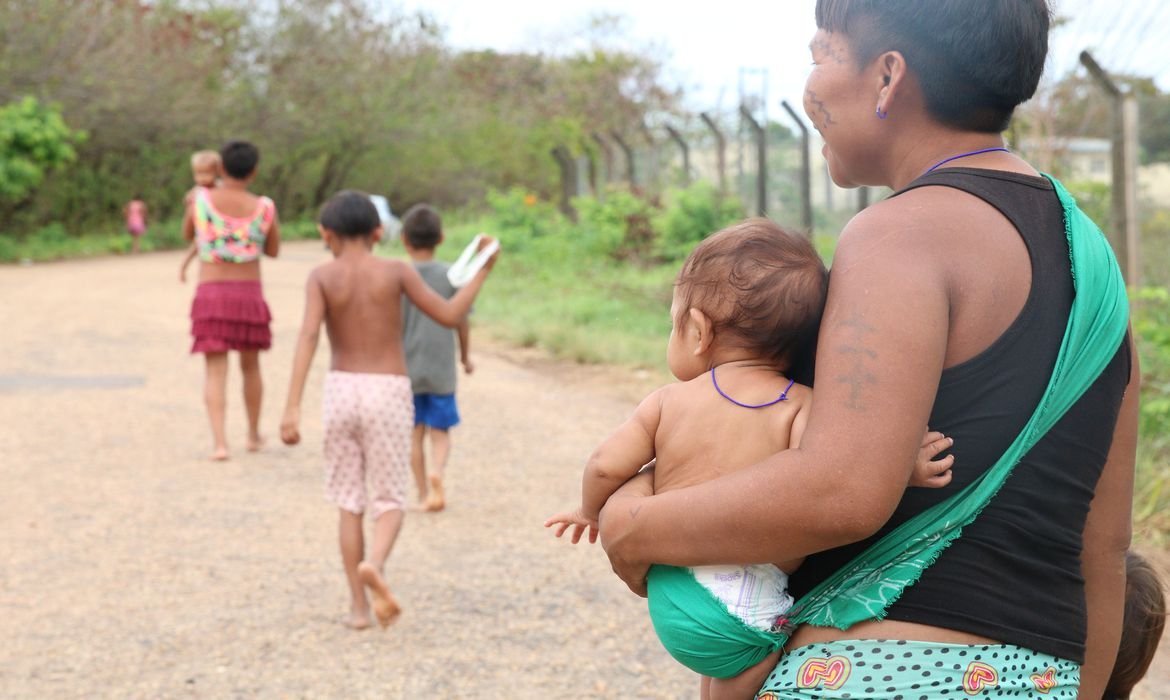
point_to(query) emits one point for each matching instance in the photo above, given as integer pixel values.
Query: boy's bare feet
(255, 443)
(386, 608)
(437, 501)
(358, 620)
(220, 454)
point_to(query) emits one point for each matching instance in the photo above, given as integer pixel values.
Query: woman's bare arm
(272, 242)
(881, 353)
(1108, 530)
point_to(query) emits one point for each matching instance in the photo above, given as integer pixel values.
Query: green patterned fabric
(866, 587)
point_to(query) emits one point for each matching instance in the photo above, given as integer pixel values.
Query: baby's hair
(206, 162)
(240, 159)
(350, 214)
(1142, 625)
(422, 227)
(762, 286)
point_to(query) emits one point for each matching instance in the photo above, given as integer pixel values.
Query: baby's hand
(936, 473)
(290, 431)
(576, 520)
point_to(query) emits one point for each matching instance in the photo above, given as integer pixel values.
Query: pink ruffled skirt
(230, 315)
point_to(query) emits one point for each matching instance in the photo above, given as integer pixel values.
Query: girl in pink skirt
(135, 213)
(232, 228)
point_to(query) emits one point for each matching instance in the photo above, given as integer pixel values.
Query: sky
(706, 44)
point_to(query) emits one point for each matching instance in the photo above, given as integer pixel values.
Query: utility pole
(1126, 234)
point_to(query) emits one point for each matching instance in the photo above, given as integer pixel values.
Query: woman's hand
(618, 520)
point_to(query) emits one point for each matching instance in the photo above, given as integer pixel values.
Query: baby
(747, 302)
(206, 168)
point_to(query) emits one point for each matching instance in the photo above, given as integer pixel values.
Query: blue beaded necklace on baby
(783, 396)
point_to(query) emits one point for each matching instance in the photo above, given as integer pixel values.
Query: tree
(34, 139)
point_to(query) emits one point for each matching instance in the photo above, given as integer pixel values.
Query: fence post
(568, 180)
(1126, 234)
(631, 170)
(720, 151)
(761, 160)
(806, 211)
(686, 152)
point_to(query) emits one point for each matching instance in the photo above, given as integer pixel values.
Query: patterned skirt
(230, 315)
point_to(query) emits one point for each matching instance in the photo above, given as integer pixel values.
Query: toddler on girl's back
(747, 302)
(430, 358)
(206, 168)
(368, 407)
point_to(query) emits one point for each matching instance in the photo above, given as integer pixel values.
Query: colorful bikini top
(231, 239)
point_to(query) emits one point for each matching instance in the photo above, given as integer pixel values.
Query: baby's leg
(440, 450)
(214, 395)
(745, 685)
(253, 394)
(352, 549)
(418, 461)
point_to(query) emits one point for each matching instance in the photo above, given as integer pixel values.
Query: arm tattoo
(634, 510)
(821, 109)
(859, 375)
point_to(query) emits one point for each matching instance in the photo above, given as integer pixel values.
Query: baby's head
(1142, 625)
(751, 291)
(422, 228)
(206, 167)
(349, 215)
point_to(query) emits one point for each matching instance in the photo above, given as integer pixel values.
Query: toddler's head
(1142, 625)
(422, 228)
(349, 214)
(757, 289)
(206, 167)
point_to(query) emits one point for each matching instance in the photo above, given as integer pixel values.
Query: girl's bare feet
(386, 608)
(358, 620)
(220, 454)
(255, 443)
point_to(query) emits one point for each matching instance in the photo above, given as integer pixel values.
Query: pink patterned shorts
(368, 422)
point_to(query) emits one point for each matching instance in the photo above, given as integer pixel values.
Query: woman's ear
(892, 75)
(700, 332)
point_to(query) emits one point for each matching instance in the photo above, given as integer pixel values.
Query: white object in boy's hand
(470, 262)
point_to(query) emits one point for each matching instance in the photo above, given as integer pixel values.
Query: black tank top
(1014, 575)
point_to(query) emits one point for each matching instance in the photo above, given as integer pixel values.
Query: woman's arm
(272, 241)
(881, 352)
(1108, 530)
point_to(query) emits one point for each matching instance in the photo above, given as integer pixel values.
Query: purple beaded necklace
(944, 161)
(783, 396)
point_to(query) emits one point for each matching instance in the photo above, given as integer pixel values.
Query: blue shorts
(436, 411)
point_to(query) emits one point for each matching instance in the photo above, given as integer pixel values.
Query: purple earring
(881, 114)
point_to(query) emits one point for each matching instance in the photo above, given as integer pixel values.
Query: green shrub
(690, 215)
(618, 227)
(522, 214)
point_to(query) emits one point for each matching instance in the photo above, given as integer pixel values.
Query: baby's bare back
(702, 436)
(363, 314)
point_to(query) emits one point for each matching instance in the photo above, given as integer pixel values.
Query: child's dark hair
(350, 214)
(240, 159)
(1142, 625)
(763, 288)
(422, 227)
(975, 61)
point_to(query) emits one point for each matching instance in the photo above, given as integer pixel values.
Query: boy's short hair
(975, 61)
(762, 286)
(206, 162)
(1142, 625)
(422, 227)
(240, 158)
(350, 214)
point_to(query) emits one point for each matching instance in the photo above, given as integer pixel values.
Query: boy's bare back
(363, 313)
(702, 436)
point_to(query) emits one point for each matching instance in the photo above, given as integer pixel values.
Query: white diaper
(756, 594)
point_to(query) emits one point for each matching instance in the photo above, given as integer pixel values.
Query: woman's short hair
(240, 158)
(976, 60)
(762, 286)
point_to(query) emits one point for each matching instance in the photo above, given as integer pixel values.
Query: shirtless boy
(368, 405)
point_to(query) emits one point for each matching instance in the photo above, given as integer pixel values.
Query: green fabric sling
(866, 587)
(698, 631)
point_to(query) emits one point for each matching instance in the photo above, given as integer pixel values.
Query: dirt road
(134, 568)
